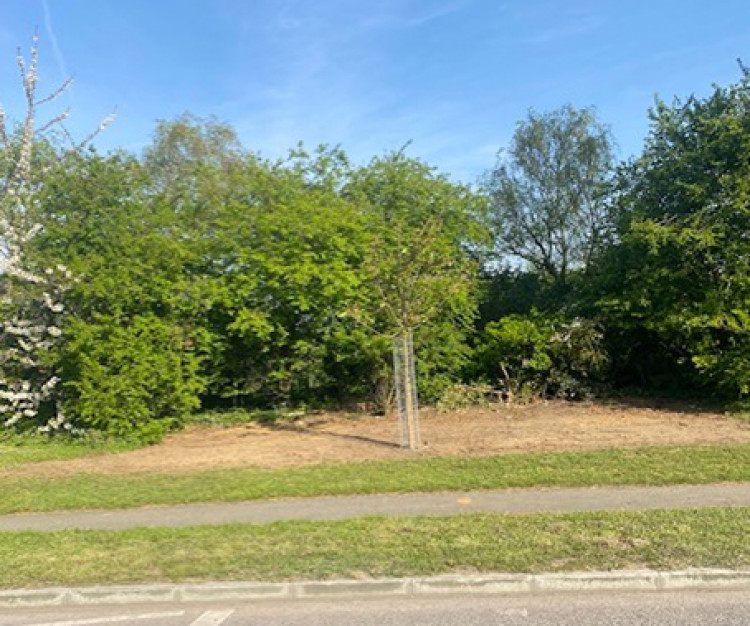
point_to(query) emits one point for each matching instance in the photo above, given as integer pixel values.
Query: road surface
(683, 608)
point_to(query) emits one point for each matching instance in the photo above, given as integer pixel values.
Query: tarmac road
(664, 608)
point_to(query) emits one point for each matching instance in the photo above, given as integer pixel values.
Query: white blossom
(31, 298)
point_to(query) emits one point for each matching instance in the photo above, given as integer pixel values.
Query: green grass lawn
(717, 537)
(18, 450)
(639, 466)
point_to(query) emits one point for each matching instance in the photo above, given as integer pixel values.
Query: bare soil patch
(342, 437)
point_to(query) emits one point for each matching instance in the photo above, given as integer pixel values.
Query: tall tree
(547, 191)
(422, 227)
(676, 289)
(30, 295)
(188, 142)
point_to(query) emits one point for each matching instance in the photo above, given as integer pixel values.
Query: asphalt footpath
(516, 501)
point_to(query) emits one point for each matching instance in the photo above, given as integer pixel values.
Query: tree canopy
(547, 191)
(199, 273)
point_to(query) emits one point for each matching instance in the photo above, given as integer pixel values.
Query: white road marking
(114, 618)
(212, 618)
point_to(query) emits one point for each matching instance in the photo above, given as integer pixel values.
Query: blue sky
(453, 76)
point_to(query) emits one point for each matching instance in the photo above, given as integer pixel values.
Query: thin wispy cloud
(437, 13)
(56, 51)
(451, 75)
(319, 84)
(572, 27)
(401, 17)
(334, 81)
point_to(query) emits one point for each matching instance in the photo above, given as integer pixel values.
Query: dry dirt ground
(340, 437)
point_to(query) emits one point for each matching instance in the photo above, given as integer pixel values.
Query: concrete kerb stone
(137, 594)
(233, 591)
(625, 580)
(323, 589)
(704, 578)
(487, 584)
(596, 581)
(23, 598)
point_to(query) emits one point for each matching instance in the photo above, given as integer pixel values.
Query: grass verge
(19, 450)
(378, 547)
(636, 466)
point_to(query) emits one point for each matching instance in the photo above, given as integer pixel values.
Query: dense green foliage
(675, 290)
(666, 280)
(547, 192)
(537, 355)
(205, 275)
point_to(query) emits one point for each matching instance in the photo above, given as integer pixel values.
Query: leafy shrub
(441, 351)
(459, 396)
(131, 381)
(674, 291)
(542, 356)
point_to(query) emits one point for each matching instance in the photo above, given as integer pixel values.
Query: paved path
(414, 504)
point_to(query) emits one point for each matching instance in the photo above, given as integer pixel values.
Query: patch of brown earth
(338, 438)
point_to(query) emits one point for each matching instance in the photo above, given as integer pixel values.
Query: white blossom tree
(32, 298)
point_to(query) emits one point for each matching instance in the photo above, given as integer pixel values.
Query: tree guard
(407, 404)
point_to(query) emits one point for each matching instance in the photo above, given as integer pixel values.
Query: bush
(131, 381)
(536, 356)
(460, 396)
